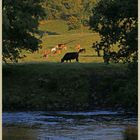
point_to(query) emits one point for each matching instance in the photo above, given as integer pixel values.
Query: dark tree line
(76, 12)
(117, 23)
(20, 27)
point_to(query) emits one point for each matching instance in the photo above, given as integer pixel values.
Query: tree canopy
(71, 10)
(117, 23)
(20, 27)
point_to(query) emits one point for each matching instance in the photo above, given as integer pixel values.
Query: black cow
(70, 56)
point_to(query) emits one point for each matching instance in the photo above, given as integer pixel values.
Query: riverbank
(67, 86)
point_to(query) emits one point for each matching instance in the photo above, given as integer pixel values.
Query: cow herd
(68, 55)
(55, 50)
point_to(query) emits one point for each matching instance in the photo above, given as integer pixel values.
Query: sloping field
(56, 32)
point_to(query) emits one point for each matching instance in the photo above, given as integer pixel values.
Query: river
(65, 125)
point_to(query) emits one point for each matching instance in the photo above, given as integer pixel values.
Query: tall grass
(67, 86)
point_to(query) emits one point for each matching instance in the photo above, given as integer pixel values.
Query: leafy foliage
(52, 9)
(117, 22)
(73, 23)
(64, 9)
(20, 27)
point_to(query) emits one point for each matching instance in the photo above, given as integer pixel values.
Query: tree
(73, 23)
(53, 9)
(97, 48)
(20, 27)
(117, 23)
(71, 13)
(87, 10)
(78, 10)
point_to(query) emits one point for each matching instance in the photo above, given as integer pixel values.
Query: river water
(96, 125)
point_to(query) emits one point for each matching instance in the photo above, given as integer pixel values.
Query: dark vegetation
(117, 22)
(75, 86)
(20, 27)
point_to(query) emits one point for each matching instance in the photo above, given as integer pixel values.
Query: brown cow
(77, 47)
(46, 53)
(61, 47)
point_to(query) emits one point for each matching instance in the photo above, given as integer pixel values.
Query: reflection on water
(97, 125)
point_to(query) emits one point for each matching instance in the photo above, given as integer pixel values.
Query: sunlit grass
(60, 27)
(49, 41)
(57, 33)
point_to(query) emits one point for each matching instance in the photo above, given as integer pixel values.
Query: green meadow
(56, 32)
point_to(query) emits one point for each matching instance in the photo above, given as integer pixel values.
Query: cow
(57, 52)
(53, 49)
(61, 47)
(46, 53)
(69, 56)
(77, 47)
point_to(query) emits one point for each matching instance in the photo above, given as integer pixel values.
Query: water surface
(96, 125)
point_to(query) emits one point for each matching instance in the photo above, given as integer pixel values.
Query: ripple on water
(65, 116)
(66, 125)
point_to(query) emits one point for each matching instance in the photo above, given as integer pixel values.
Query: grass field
(57, 33)
(59, 27)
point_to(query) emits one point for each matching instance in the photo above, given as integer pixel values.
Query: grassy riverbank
(67, 86)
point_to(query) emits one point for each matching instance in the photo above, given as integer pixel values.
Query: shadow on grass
(52, 33)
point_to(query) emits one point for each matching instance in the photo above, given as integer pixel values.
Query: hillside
(59, 27)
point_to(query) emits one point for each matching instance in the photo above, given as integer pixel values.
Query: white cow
(53, 49)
